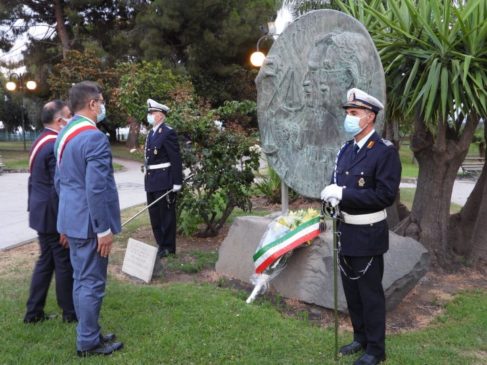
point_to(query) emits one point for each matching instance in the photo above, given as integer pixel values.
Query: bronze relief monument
(300, 90)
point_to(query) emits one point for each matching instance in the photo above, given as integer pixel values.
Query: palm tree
(435, 58)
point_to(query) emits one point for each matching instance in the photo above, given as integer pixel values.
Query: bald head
(55, 114)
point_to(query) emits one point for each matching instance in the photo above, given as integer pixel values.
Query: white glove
(332, 194)
(176, 188)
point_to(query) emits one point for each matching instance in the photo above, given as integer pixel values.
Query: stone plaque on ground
(300, 90)
(139, 260)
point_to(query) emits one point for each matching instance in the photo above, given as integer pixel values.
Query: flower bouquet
(283, 235)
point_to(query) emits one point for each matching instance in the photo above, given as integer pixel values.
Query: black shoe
(102, 349)
(39, 318)
(70, 318)
(109, 337)
(367, 359)
(163, 253)
(158, 269)
(351, 348)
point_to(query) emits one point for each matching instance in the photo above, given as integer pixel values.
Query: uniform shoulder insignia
(168, 126)
(387, 142)
(370, 144)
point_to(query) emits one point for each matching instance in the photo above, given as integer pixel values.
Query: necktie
(355, 151)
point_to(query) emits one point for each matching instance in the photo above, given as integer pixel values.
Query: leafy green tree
(211, 39)
(435, 58)
(139, 82)
(103, 27)
(81, 66)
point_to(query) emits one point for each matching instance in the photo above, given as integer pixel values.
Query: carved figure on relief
(301, 88)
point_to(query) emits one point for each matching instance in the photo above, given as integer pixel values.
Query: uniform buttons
(362, 173)
(346, 172)
(148, 173)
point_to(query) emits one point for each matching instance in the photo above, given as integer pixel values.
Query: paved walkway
(14, 219)
(461, 190)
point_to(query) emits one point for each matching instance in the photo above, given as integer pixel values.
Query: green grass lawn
(14, 157)
(407, 197)
(120, 150)
(206, 324)
(190, 323)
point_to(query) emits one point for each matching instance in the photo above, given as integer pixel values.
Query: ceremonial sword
(331, 209)
(154, 202)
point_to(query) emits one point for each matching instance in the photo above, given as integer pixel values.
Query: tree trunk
(439, 158)
(60, 27)
(391, 133)
(468, 228)
(133, 136)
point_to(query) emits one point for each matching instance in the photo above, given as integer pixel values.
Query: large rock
(308, 276)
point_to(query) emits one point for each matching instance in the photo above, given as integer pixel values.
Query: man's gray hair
(81, 94)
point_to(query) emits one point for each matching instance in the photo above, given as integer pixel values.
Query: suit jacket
(371, 180)
(88, 197)
(42, 201)
(161, 147)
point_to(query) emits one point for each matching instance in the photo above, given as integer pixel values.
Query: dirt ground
(422, 305)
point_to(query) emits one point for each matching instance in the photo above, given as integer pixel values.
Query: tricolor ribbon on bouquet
(272, 251)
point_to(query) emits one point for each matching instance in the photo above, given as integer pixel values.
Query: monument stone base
(308, 276)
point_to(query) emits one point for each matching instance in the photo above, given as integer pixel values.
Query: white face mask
(150, 119)
(63, 123)
(352, 125)
(102, 114)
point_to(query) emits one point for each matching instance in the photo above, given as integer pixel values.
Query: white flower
(255, 148)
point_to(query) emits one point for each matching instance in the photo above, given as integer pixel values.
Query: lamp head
(31, 85)
(257, 59)
(11, 86)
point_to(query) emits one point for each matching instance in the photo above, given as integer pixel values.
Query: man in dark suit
(43, 209)
(365, 182)
(89, 211)
(163, 173)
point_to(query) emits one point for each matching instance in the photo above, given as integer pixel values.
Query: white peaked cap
(153, 105)
(357, 98)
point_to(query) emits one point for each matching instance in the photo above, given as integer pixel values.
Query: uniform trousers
(163, 220)
(366, 301)
(53, 258)
(90, 275)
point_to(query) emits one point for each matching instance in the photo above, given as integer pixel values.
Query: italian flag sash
(268, 254)
(45, 138)
(76, 126)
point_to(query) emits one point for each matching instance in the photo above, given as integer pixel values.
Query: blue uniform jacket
(371, 180)
(162, 146)
(88, 198)
(42, 202)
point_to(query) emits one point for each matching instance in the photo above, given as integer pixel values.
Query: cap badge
(155, 151)
(361, 182)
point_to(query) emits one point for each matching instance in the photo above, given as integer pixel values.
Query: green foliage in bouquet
(221, 160)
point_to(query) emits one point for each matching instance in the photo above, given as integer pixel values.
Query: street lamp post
(257, 58)
(18, 81)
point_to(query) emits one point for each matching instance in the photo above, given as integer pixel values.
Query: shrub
(221, 161)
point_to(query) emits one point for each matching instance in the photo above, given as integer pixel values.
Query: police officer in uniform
(43, 209)
(163, 173)
(365, 182)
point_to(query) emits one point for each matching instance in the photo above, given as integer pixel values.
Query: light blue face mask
(150, 119)
(352, 125)
(103, 112)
